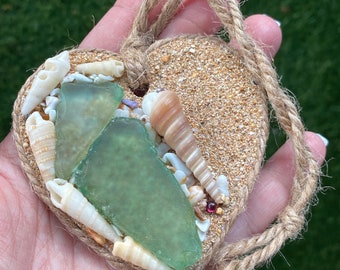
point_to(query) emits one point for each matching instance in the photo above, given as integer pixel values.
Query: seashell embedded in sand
(196, 194)
(113, 68)
(67, 198)
(130, 251)
(46, 80)
(168, 119)
(203, 228)
(41, 135)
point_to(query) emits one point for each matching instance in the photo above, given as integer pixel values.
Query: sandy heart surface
(227, 114)
(226, 110)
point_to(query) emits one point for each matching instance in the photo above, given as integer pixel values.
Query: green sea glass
(83, 112)
(132, 188)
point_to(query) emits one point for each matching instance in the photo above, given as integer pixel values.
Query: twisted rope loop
(141, 37)
(246, 254)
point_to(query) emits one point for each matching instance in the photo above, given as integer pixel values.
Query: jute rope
(248, 253)
(141, 37)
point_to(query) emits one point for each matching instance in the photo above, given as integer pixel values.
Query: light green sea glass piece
(132, 188)
(82, 113)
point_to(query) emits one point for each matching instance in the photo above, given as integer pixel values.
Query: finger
(194, 17)
(9, 152)
(272, 192)
(114, 27)
(266, 31)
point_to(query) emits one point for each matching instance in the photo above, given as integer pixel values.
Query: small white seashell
(70, 200)
(196, 194)
(162, 148)
(168, 119)
(190, 180)
(100, 78)
(149, 101)
(130, 251)
(138, 111)
(51, 104)
(55, 92)
(122, 113)
(113, 68)
(176, 162)
(180, 176)
(222, 184)
(203, 228)
(41, 135)
(76, 77)
(46, 80)
(185, 190)
(52, 114)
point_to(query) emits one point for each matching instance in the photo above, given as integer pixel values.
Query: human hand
(31, 236)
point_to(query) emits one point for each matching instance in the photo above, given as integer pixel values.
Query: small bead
(211, 207)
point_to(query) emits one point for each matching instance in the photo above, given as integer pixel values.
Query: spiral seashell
(46, 80)
(113, 68)
(203, 228)
(130, 251)
(168, 119)
(41, 135)
(70, 200)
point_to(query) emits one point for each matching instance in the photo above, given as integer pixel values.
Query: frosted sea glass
(83, 111)
(132, 188)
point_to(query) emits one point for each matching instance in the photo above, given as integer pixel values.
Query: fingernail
(325, 141)
(278, 23)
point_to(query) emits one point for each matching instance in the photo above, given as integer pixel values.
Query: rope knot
(136, 62)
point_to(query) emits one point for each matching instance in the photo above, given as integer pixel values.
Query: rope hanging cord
(248, 253)
(140, 38)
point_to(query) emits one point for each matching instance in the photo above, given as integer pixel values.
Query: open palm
(30, 235)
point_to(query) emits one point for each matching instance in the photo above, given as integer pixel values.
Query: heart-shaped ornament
(151, 182)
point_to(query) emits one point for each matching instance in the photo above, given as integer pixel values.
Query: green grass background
(308, 61)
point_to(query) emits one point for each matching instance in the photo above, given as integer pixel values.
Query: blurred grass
(309, 62)
(31, 31)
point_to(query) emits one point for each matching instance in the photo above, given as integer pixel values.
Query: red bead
(211, 207)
